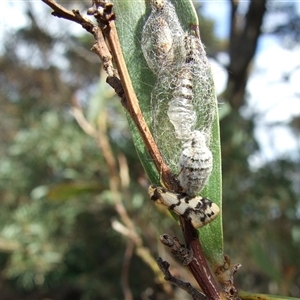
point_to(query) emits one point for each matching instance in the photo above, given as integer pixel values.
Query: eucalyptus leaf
(130, 19)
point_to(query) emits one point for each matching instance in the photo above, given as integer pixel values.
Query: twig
(106, 21)
(177, 248)
(198, 266)
(225, 274)
(99, 47)
(125, 270)
(132, 104)
(83, 123)
(164, 267)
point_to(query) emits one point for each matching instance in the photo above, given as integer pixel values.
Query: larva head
(158, 4)
(205, 216)
(155, 193)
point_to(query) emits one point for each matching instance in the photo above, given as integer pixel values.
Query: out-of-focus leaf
(64, 191)
(251, 296)
(263, 259)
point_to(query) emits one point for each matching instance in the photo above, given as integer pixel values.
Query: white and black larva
(198, 210)
(195, 163)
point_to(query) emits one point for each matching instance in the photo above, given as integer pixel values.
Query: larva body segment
(167, 130)
(198, 210)
(195, 164)
(180, 107)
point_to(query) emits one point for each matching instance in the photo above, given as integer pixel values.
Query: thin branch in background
(77, 113)
(123, 171)
(164, 267)
(177, 248)
(125, 270)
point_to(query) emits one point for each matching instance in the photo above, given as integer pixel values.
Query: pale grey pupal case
(182, 100)
(162, 35)
(195, 163)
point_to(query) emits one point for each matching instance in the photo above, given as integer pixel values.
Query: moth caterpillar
(198, 210)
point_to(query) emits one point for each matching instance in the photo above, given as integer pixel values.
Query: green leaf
(251, 296)
(67, 190)
(265, 261)
(130, 19)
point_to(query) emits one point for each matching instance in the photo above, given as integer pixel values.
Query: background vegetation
(60, 233)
